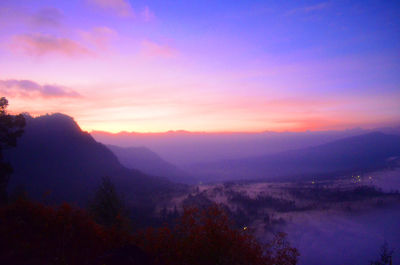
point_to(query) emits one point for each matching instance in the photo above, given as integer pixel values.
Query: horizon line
(239, 132)
(393, 125)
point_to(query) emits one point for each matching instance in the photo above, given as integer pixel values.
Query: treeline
(253, 205)
(321, 194)
(33, 233)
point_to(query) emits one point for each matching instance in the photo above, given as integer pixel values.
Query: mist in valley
(345, 237)
(340, 221)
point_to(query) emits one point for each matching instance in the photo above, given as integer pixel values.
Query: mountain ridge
(363, 152)
(54, 156)
(147, 161)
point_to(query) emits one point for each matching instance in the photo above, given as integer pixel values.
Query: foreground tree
(107, 206)
(208, 237)
(32, 233)
(385, 256)
(35, 234)
(11, 128)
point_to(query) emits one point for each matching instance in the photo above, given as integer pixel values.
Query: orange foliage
(32, 233)
(35, 234)
(208, 237)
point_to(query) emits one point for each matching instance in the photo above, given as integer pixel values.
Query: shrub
(203, 237)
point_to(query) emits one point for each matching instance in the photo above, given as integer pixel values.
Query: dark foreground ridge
(56, 158)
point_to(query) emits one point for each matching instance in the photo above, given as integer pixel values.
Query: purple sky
(152, 66)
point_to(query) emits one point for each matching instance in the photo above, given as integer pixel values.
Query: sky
(209, 65)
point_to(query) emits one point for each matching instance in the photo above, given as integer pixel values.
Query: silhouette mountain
(358, 153)
(185, 148)
(55, 157)
(147, 161)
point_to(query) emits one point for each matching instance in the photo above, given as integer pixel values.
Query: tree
(33, 233)
(11, 128)
(385, 256)
(107, 206)
(203, 237)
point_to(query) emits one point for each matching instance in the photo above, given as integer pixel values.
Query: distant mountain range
(183, 148)
(147, 161)
(55, 157)
(353, 154)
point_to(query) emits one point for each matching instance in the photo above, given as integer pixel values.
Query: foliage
(37, 234)
(11, 128)
(203, 237)
(199, 200)
(252, 205)
(107, 206)
(385, 256)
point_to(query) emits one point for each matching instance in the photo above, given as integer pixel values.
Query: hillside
(147, 161)
(358, 153)
(55, 157)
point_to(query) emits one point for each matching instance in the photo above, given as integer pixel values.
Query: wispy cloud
(120, 7)
(99, 37)
(43, 44)
(153, 49)
(47, 17)
(28, 88)
(147, 15)
(308, 9)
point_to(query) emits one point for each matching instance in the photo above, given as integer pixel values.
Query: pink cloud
(99, 37)
(41, 44)
(153, 49)
(147, 14)
(312, 122)
(28, 88)
(119, 7)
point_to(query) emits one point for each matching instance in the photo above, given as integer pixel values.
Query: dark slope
(147, 161)
(55, 156)
(359, 153)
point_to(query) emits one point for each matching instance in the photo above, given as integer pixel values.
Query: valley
(352, 215)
